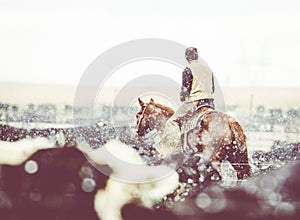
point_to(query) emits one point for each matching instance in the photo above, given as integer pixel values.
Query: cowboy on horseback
(196, 92)
(196, 129)
(197, 79)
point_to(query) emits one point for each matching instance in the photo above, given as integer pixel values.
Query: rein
(152, 137)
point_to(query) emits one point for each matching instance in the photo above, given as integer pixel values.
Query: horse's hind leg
(238, 156)
(239, 161)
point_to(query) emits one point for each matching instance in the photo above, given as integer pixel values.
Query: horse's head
(151, 117)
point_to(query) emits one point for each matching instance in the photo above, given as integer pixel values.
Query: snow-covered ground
(257, 140)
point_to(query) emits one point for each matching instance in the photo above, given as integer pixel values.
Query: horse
(208, 130)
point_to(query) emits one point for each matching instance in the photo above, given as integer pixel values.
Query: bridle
(142, 115)
(152, 136)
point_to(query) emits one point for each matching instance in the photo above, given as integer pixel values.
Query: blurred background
(246, 43)
(252, 46)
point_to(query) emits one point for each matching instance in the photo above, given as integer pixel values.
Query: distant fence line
(261, 119)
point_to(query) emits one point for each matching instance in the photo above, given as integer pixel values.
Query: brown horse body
(215, 134)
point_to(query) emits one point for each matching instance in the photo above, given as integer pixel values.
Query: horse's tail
(239, 156)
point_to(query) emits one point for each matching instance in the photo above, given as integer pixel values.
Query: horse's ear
(141, 102)
(151, 100)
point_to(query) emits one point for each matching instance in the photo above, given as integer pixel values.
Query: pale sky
(246, 43)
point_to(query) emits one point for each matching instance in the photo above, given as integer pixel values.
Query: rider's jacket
(200, 87)
(197, 82)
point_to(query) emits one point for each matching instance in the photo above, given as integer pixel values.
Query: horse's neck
(162, 114)
(161, 118)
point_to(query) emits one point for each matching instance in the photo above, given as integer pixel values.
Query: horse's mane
(166, 108)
